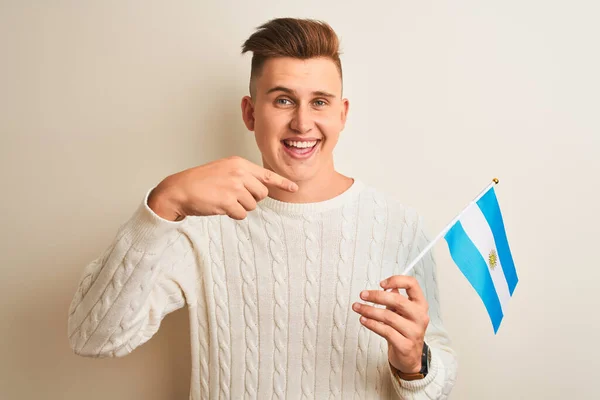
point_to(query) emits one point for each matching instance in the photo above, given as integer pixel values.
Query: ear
(344, 112)
(248, 112)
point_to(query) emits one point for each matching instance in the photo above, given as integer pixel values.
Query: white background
(100, 100)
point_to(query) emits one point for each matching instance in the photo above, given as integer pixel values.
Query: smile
(300, 149)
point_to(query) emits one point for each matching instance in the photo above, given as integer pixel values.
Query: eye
(283, 102)
(320, 103)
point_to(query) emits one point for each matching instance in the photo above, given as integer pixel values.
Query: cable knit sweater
(269, 297)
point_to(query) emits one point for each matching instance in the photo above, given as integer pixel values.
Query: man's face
(297, 114)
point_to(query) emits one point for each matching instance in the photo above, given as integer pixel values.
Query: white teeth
(301, 145)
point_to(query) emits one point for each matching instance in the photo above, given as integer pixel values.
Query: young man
(280, 266)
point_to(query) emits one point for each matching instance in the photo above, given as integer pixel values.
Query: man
(282, 267)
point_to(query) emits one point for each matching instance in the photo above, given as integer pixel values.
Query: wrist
(407, 370)
(404, 370)
(420, 370)
(163, 204)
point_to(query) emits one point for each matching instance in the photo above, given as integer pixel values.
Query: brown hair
(291, 37)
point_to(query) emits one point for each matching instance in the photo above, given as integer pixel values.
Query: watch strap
(425, 361)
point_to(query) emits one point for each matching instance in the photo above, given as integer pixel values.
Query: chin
(299, 174)
(295, 170)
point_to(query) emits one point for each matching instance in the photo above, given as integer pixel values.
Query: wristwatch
(425, 361)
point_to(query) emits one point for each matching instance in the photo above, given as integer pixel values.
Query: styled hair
(291, 37)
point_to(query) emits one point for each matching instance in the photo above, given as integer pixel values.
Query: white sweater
(269, 298)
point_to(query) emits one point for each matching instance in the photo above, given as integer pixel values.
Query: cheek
(330, 127)
(264, 132)
(268, 125)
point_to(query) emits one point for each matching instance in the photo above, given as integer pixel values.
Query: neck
(323, 186)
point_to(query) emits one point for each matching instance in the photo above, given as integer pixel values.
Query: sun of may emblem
(493, 259)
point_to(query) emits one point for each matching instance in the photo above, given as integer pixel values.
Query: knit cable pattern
(130, 323)
(311, 306)
(203, 339)
(380, 232)
(385, 383)
(342, 297)
(88, 279)
(373, 271)
(149, 271)
(221, 296)
(112, 291)
(281, 293)
(92, 271)
(250, 296)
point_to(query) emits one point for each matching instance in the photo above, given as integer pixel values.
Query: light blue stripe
(491, 210)
(473, 266)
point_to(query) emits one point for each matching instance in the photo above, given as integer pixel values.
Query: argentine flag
(479, 247)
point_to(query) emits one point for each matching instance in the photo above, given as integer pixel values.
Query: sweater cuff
(407, 388)
(146, 228)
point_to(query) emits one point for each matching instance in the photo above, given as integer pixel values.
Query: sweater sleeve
(441, 377)
(123, 295)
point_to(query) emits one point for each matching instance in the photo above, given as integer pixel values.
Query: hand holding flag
(402, 323)
(478, 245)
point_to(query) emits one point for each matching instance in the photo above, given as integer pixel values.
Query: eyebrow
(293, 92)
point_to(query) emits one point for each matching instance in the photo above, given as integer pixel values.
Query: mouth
(300, 149)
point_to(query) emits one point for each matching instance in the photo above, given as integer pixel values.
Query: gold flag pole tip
(496, 181)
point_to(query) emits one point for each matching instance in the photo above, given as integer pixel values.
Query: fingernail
(364, 294)
(383, 283)
(363, 319)
(356, 306)
(293, 187)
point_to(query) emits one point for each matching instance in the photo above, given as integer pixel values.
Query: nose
(302, 121)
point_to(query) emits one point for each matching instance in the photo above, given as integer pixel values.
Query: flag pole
(414, 262)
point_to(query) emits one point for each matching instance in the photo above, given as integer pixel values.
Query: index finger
(410, 284)
(270, 178)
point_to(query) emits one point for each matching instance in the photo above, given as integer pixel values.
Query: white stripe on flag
(477, 229)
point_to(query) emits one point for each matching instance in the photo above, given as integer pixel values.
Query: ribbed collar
(281, 207)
